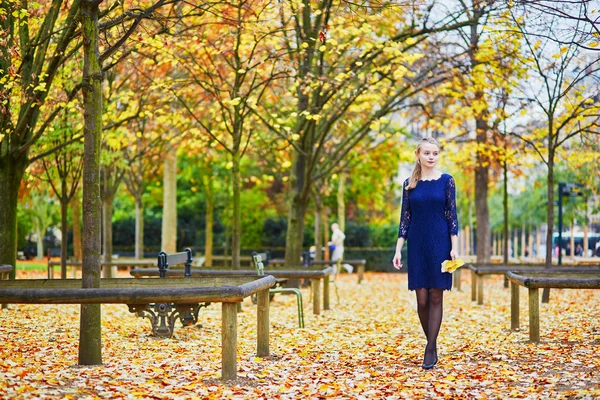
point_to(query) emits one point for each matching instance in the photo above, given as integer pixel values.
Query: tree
(90, 350)
(231, 61)
(90, 327)
(34, 44)
(63, 169)
(348, 76)
(558, 93)
(575, 17)
(42, 209)
(36, 41)
(142, 158)
(473, 104)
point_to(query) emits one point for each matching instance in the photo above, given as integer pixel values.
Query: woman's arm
(398, 256)
(454, 251)
(405, 215)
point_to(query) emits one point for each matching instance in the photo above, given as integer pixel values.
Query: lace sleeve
(404, 213)
(450, 210)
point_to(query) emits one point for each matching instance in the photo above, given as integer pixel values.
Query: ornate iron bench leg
(163, 322)
(188, 313)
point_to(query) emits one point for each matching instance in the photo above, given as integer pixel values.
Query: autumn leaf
(370, 345)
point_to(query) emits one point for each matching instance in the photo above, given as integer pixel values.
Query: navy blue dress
(427, 221)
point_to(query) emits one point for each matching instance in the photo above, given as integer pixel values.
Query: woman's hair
(416, 174)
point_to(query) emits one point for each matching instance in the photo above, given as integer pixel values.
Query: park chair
(185, 258)
(262, 259)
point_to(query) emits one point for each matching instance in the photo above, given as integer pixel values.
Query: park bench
(359, 264)
(260, 260)
(316, 274)
(479, 271)
(75, 266)
(533, 281)
(191, 316)
(228, 290)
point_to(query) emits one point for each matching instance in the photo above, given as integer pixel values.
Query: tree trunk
(295, 235)
(76, 207)
(40, 231)
(210, 218)
(586, 245)
(139, 229)
(482, 237)
(107, 213)
(318, 226)
(90, 329)
(505, 206)
(169, 221)
(295, 232)
(550, 215)
(341, 205)
(236, 223)
(297, 211)
(481, 195)
(572, 242)
(64, 209)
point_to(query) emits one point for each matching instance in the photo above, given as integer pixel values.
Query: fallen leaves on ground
(368, 346)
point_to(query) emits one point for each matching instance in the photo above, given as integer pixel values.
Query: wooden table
(536, 280)
(315, 274)
(479, 271)
(228, 290)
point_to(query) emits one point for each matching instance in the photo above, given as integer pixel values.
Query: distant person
(337, 240)
(598, 249)
(579, 251)
(312, 252)
(428, 222)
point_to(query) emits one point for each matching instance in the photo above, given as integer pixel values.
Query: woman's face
(428, 155)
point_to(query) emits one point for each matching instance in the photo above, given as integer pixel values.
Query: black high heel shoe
(430, 366)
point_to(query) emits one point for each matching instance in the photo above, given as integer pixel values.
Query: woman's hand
(453, 254)
(397, 262)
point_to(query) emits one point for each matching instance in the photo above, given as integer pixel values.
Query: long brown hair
(415, 177)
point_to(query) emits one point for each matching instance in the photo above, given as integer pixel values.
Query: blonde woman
(429, 224)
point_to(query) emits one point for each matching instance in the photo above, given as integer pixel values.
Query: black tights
(430, 307)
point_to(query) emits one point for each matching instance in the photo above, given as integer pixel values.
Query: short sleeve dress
(427, 220)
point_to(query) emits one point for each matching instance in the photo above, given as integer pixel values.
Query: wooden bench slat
(205, 272)
(108, 283)
(480, 270)
(557, 280)
(177, 291)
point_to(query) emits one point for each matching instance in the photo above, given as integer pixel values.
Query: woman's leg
(423, 308)
(436, 303)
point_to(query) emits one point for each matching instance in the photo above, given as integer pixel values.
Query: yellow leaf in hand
(452, 265)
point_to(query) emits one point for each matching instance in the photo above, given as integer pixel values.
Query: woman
(428, 222)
